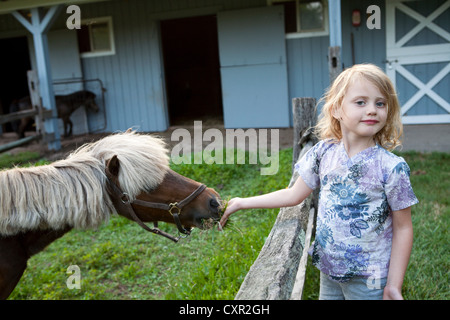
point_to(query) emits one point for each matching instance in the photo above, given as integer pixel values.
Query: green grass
(8, 160)
(428, 271)
(122, 261)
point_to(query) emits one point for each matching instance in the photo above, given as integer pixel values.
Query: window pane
(100, 36)
(311, 16)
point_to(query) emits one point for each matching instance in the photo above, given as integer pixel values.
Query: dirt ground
(72, 143)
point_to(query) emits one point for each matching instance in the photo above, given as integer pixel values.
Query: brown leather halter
(122, 203)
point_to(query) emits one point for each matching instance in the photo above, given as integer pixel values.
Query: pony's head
(75, 192)
(139, 165)
(166, 202)
(89, 101)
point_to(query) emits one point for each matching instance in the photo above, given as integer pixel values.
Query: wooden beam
(11, 6)
(334, 50)
(49, 18)
(41, 22)
(27, 24)
(335, 23)
(334, 62)
(17, 116)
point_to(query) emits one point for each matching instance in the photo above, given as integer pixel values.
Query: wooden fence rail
(279, 271)
(10, 117)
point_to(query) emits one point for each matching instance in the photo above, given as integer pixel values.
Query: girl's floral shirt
(357, 196)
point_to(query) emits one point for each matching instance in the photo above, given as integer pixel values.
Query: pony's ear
(113, 165)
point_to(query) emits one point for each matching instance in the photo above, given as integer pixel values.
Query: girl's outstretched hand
(282, 198)
(232, 206)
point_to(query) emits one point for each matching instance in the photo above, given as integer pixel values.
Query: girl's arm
(402, 240)
(278, 199)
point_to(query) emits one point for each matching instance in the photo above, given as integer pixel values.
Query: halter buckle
(125, 198)
(173, 206)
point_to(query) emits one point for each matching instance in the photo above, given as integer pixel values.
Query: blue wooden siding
(133, 76)
(307, 67)
(369, 44)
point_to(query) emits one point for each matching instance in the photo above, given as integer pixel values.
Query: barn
(154, 64)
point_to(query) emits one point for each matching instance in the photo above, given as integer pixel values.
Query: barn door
(418, 58)
(253, 68)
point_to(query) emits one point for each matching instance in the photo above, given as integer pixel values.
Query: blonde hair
(328, 127)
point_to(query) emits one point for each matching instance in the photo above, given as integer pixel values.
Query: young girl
(364, 232)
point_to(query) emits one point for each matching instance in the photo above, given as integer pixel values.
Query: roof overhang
(8, 6)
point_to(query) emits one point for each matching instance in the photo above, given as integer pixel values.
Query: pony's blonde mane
(72, 192)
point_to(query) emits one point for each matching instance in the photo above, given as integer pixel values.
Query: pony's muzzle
(214, 204)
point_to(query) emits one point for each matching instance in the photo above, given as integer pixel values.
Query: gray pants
(358, 288)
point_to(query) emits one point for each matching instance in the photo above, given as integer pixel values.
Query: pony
(40, 204)
(65, 104)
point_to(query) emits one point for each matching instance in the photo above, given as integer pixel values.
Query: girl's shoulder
(325, 145)
(322, 147)
(392, 163)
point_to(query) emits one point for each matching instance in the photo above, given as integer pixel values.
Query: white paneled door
(418, 58)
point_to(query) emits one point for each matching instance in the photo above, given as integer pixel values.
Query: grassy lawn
(122, 261)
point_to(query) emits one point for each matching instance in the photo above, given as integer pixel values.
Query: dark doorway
(14, 63)
(192, 69)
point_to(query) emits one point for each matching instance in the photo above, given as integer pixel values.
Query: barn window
(304, 18)
(95, 38)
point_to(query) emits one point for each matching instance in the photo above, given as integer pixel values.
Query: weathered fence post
(304, 116)
(273, 274)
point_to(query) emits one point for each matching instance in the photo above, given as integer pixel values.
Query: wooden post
(36, 102)
(40, 24)
(305, 117)
(334, 50)
(334, 62)
(297, 291)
